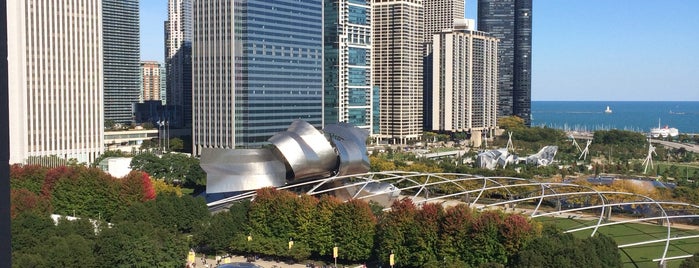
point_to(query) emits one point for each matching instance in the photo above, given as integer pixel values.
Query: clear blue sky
(618, 50)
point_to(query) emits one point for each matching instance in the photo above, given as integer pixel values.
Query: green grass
(638, 256)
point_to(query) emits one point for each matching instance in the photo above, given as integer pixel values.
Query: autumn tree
(393, 233)
(353, 226)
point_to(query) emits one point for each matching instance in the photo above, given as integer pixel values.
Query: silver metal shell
(306, 151)
(241, 169)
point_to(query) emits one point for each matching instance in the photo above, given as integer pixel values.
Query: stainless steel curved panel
(350, 143)
(306, 151)
(233, 170)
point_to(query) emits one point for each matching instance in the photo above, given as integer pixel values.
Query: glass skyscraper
(511, 22)
(178, 62)
(348, 95)
(122, 48)
(257, 66)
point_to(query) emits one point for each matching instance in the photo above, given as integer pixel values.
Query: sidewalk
(266, 264)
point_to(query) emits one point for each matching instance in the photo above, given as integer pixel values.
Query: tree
(354, 225)
(511, 122)
(455, 228)
(176, 144)
(28, 177)
(692, 262)
(426, 245)
(139, 245)
(486, 246)
(24, 201)
(224, 230)
(87, 192)
(393, 231)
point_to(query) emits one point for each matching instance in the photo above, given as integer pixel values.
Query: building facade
(464, 88)
(122, 56)
(251, 84)
(152, 82)
(178, 62)
(55, 80)
(348, 90)
(511, 22)
(440, 15)
(397, 61)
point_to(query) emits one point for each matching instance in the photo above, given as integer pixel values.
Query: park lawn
(637, 256)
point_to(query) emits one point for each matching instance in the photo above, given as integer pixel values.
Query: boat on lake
(608, 111)
(664, 131)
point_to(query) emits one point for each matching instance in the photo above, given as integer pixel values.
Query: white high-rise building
(464, 88)
(441, 15)
(55, 80)
(397, 61)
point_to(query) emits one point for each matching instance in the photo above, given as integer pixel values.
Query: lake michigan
(638, 116)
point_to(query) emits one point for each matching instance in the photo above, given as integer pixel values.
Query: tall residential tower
(511, 22)
(440, 15)
(152, 82)
(397, 61)
(122, 56)
(464, 91)
(55, 80)
(348, 90)
(257, 66)
(178, 62)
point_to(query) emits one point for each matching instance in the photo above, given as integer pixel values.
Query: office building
(397, 61)
(178, 62)
(511, 22)
(257, 66)
(122, 56)
(55, 80)
(152, 82)
(348, 90)
(464, 88)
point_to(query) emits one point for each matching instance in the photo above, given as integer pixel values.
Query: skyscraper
(397, 62)
(511, 22)
(55, 78)
(464, 91)
(178, 62)
(257, 66)
(348, 90)
(152, 81)
(122, 56)
(440, 15)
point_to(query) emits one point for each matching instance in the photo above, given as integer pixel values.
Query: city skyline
(611, 63)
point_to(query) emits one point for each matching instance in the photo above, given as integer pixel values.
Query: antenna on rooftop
(583, 153)
(649, 157)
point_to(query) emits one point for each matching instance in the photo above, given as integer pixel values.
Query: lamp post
(335, 253)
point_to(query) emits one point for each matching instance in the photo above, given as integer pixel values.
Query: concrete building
(55, 80)
(257, 66)
(511, 22)
(440, 15)
(178, 62)
(348, 90)
(397, 61)
(464, 88)
(122, 56)
(152, 82)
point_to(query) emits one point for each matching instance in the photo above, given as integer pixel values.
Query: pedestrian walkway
(211, 262)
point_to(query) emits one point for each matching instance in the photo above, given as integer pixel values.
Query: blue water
(638, 116)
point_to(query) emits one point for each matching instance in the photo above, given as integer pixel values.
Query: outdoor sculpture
(298, 154)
